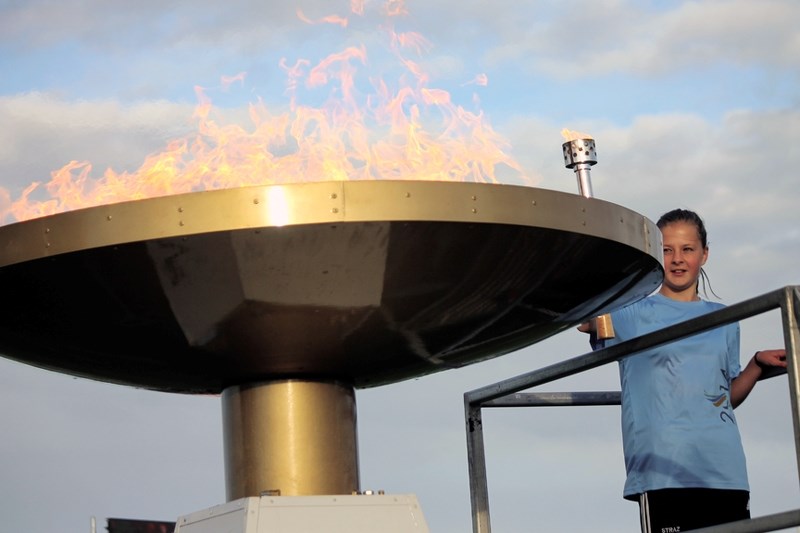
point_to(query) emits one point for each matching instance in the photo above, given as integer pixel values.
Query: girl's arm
(746, 380)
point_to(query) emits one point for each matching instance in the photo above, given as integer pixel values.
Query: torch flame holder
(580, 155)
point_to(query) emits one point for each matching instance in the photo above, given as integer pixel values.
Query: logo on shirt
(721, 400)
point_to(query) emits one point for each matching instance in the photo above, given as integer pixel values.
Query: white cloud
(744, 32)
(564, 40)
(601, 38)
(147, 23)
(41, 133)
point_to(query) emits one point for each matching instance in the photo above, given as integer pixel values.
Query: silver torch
(580, 154)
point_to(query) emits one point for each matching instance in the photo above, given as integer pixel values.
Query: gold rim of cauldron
(323, 203)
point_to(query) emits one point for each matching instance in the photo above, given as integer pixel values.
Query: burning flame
(383, 134)
(570, 135)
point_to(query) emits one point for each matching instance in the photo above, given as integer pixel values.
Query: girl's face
(684, 254)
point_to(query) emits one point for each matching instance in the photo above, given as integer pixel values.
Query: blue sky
(693, 104)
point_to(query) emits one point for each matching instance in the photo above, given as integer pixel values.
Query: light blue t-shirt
(678, 426)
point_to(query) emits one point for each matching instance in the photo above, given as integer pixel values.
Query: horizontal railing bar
(760, 524)
(581, 363)
(581, 398)
(554, 399)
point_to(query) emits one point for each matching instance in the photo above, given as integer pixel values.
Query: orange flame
(412, 132)
(227, 81)
(330, 19)
(570, 135)
(357, 6)
(396, 8)
(480, 79)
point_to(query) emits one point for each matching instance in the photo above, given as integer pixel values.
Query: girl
(683, 453)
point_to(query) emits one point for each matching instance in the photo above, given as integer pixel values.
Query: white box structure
(367, 513)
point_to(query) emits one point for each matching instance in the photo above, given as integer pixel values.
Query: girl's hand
(764, 358)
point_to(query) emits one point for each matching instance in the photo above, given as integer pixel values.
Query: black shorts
(678, 510)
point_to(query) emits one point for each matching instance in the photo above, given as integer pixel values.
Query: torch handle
(605, 328)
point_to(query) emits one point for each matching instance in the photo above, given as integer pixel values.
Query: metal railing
(506, 394)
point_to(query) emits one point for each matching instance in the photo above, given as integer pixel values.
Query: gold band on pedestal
(290, 437)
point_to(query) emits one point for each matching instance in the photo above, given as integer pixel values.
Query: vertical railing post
(476, 458)
(790, 312)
